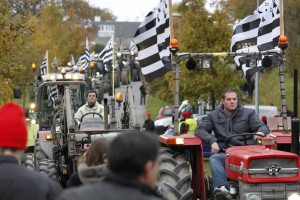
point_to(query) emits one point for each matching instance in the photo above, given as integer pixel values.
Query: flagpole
(281, 25)
(113, 67)
(256, 81)
(47, 62)
(171, 20)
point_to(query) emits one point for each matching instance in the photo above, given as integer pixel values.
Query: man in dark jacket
(17, 182)
(148, 124)
(229, 119)
(133, 167)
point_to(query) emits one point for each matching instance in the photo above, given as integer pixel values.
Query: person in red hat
(17, 182)
(148, 124)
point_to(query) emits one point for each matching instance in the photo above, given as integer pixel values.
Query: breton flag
(53, 93)
(152, 40)
(107, 53)
(43, 67)
(257, 32)
(54, 63)
(85, 58)
(133, 47)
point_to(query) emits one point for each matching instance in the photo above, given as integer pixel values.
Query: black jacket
(243, 120)
(112, 187)
(149, 125)
(19, 183)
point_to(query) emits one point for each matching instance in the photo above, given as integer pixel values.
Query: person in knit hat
(17, 182)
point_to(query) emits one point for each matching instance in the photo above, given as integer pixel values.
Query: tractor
(60, 139)
(266, 171)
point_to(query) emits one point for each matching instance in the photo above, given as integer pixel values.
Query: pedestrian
(143, 93)
(182, 126)
(17, 182)
(148, 124)
(91, 106)
(231, 118)
(188, 125)
(133, 167)
(95, 166)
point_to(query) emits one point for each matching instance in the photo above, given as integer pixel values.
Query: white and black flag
(152, 40)
(257, 32)
(107, 53)
(85, 58)
(43, 67)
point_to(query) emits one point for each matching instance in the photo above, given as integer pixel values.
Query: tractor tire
(38, 151)
(125, 80)
(28, 161)
(175, 177)
(48, 168)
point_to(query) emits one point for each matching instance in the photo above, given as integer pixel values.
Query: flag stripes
(85, 58)
(43, 67)
(107, 53)
(54, 63)
(257, 32)
(152, 39)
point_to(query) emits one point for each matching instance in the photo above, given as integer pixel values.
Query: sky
(128, 10)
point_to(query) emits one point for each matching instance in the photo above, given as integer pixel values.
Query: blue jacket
(243, 120)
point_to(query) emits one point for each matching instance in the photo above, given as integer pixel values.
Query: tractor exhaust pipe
(295, 120)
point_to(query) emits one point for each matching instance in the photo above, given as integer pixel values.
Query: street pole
(257, 81)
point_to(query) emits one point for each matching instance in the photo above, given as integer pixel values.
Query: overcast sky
(128, 10)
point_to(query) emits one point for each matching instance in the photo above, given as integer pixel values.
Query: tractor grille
(274, 191)
(273, 167)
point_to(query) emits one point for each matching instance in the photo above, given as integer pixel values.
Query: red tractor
(254, 172)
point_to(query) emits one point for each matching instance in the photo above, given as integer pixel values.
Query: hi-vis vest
(179, 125)
(192, 125)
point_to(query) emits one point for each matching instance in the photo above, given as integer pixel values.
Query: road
(140, 109)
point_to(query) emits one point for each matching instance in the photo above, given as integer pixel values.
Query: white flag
(152, 40)
(257, 32)
(107, 53)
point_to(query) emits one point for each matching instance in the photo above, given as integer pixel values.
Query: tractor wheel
(48, 167)
(175, 177)
(28, 161)
(125, 77)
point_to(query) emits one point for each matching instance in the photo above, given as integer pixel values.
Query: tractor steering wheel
(91, 113)
(244, 135)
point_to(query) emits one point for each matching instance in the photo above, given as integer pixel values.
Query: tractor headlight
(293, 196)
(253, 196)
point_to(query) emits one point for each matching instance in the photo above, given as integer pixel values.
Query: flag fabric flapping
(107, 53)
(133, 47)
(257, 32)
(54, 63)
(43, 67)
(152, 40)
(72, 60)
(85, 58)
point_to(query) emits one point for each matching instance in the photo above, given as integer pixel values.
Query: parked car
(268, 111)
(164, 112)
(161, 125)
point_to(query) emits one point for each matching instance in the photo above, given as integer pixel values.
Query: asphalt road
(140, 109)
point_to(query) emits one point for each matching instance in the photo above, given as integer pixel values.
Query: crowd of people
(128, 166)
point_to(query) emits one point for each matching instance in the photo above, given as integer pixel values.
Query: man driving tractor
(231, 118)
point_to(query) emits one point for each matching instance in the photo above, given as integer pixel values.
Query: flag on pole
(152, 40)
(257, 32)
(133, 47)
(54, 63)
(72, 60)
(43, 67)
(107, 53)
(85, 58)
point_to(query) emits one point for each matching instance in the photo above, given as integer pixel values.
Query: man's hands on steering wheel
(256, 136)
